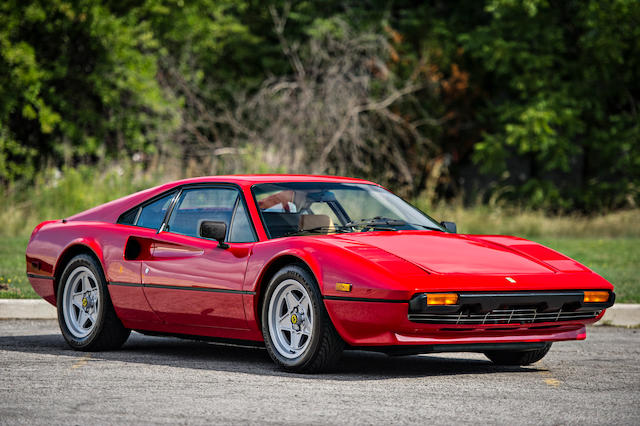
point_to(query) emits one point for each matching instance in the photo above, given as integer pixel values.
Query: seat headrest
(311, 221)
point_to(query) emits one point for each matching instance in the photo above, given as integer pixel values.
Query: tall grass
(608, 243)
(507, 220)
(57, 194)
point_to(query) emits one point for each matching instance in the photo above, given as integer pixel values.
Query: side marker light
(343, 287)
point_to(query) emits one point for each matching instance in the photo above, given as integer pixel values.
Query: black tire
(325, 345)
(107, 333)
(518, 357)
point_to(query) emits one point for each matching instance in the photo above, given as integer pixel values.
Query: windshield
(302, 208)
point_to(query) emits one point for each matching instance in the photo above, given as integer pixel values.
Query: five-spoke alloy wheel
(298, 333)
(290, 319)
(81, 302)
(86, 316)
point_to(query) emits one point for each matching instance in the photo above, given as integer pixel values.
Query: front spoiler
(401, 350)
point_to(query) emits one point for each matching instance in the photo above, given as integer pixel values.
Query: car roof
(109, 212)
(248, 180)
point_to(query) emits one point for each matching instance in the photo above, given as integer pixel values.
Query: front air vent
(502, 316)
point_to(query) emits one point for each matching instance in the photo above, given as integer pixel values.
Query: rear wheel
(297, 331)
(85, 314)
(518, 357)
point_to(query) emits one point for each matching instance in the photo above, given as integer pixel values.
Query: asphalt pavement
(166, 380)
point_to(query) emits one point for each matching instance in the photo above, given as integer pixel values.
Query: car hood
(440, 252)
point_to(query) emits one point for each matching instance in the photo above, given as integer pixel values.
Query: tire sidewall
(308, 282)
(90, 263)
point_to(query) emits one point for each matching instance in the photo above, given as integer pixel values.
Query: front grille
(503, 316)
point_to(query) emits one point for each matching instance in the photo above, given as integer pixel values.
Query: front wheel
(86, 316)
(518, 357)
(297, 331)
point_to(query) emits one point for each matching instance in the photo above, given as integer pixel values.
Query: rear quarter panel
(50, 247)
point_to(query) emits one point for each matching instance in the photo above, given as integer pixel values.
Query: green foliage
(564, 96)
(541, 96)
(56, 194)
(13, 277)
(596, 242)
(614, 259)
(76, 82)
(204, 40)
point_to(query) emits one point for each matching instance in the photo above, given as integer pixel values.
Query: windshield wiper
(384, 223)
(316, 230)
(378, 222)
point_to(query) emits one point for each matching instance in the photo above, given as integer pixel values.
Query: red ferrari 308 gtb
(309, 265)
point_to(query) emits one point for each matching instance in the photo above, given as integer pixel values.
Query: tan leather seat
(313, 221)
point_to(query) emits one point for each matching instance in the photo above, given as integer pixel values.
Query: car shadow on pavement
(182, 353)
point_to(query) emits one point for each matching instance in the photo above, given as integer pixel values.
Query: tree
(563, 94)
(76, 81)
(340, 111)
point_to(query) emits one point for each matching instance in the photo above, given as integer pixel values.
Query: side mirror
(450, 226)
(215, 231)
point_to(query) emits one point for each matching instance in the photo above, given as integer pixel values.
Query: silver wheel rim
(81, 302)
(290, 319)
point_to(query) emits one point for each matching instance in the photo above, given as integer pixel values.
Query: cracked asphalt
(155, 380)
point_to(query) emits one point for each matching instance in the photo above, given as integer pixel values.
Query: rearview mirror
(215, 231)
(450, 226)
(321, 197)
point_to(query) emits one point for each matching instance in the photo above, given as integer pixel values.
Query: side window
(152, 214)
(198, 204)
(129, 218)
(241, 230)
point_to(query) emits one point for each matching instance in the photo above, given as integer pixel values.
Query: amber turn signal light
(343, 286)
(596, 296)
(442, 299)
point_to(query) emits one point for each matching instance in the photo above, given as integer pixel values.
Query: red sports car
(309, 265)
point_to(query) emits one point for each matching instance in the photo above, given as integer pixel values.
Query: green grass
(616, 259)
(13, 269)
(607, 243)
(56, 195)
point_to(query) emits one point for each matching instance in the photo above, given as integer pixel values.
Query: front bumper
(508, 308)
(386, 323)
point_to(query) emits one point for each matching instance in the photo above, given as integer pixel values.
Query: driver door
(189, 280)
